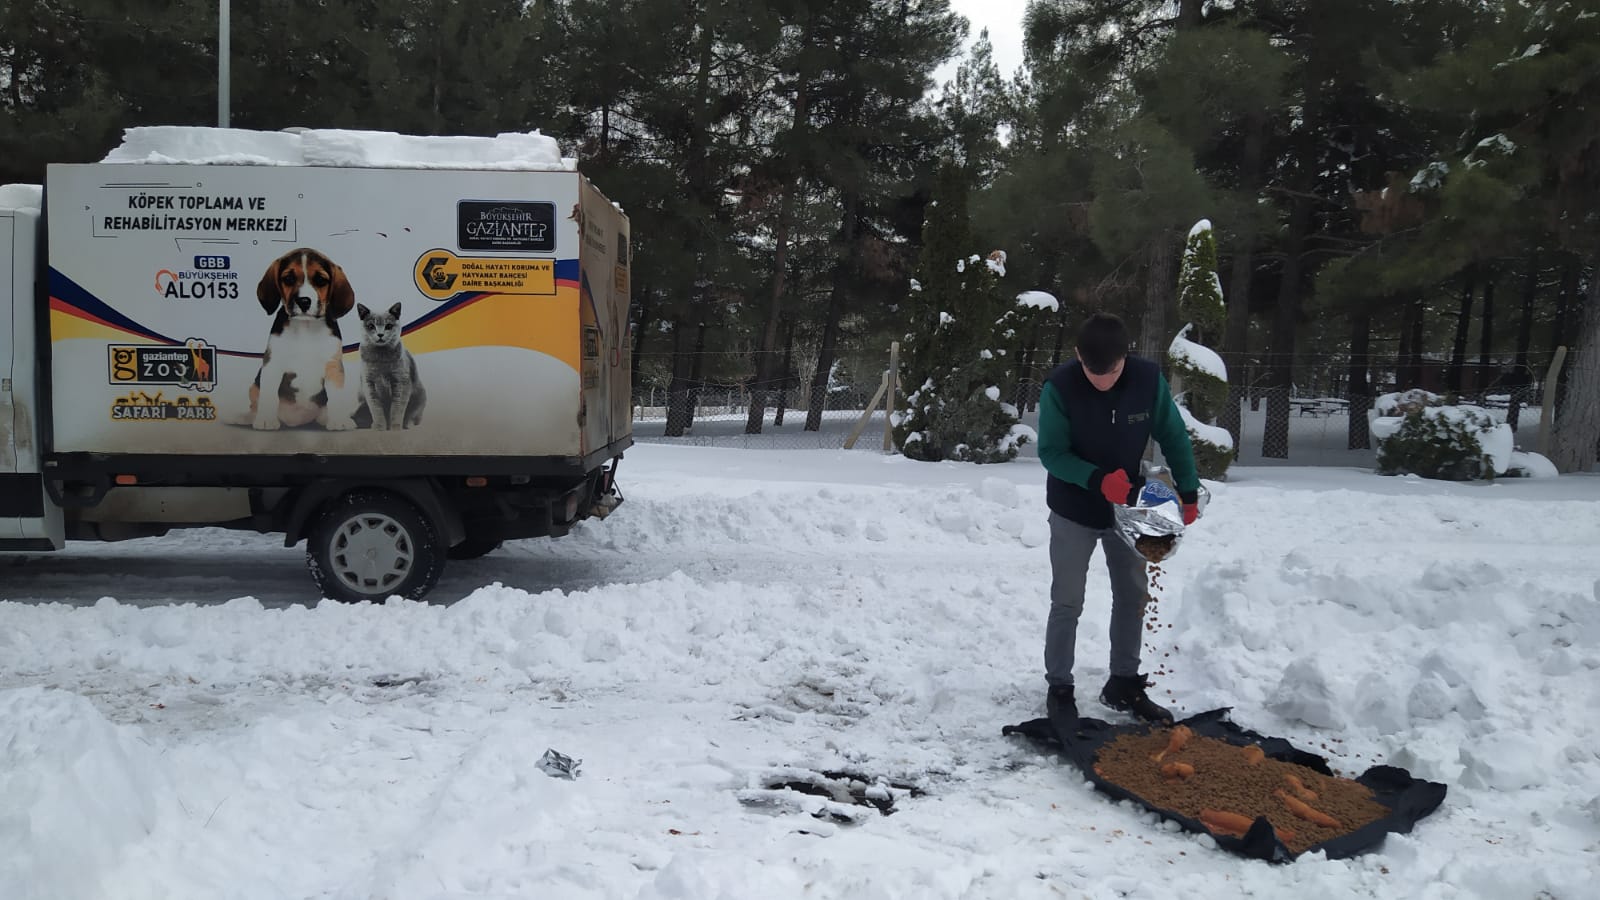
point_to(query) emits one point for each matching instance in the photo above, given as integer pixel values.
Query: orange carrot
(1180, 736)
(1221, 822)
(1299, 808)
(1300, 790)
(1253, 755)
(1173, 770)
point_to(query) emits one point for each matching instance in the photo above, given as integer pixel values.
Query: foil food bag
(1153, 525)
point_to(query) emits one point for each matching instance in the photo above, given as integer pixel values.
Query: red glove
(1116, 487)
(1191, 511)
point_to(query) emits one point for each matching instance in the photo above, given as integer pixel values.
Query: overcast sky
(1003, 18)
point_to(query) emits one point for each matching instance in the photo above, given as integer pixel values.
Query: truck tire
(371, 545)
(473, 547)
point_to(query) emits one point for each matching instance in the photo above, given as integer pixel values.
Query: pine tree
(955, 356)
(1199, 378)
(1530, 145)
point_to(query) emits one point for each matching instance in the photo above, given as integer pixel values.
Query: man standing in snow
(1096, 415)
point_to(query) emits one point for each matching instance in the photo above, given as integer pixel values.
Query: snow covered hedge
(1199, 377)
(1419, 432)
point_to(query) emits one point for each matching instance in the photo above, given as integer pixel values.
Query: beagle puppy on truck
(306, 293)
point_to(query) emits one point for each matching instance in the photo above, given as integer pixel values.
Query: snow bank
(1533, 465)
(28, 197)
(1197, 356)
(75, 792)
(515, 151)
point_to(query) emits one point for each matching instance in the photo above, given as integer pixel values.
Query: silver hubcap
(371, 554)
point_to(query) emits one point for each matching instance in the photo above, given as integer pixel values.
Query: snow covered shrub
(1421, 433)
(955, 350)
(973, 426)
(1199, 377)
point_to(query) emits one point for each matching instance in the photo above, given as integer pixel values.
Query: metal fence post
(892, 381)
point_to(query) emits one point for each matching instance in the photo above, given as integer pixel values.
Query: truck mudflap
(606, 495)
(27, 521)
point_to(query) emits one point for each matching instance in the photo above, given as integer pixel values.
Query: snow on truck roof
(178, 144)
(21, 197)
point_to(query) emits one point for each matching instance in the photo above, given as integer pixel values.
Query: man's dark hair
(1102, 342)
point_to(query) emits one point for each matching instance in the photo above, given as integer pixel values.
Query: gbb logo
(434, 274)
(209, 280)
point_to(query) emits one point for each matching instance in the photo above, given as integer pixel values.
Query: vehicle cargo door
(607, 361)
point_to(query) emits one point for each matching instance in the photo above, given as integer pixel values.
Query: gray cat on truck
(398, 349)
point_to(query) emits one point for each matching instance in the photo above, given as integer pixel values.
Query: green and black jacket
(1086, 434)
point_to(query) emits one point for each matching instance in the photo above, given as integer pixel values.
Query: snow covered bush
(955, 350)
(1421, 433)
(1199, 377)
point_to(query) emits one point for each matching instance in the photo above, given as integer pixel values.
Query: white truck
(398, 349)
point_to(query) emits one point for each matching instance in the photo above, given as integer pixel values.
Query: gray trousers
(1071, 546)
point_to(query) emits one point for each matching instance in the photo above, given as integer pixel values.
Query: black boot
(1062, 710)
(1126, 693)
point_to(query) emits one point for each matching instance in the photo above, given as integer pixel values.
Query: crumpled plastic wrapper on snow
(1153, 525)
(559, 765)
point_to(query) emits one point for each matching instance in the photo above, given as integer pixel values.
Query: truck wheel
(371, 545)
(472, 548)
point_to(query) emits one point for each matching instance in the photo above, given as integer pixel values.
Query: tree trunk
(843, 274)
(697, 169)
(1416, 315)
(1236, 329)
(788, 366)
(1569, 287)
(766, 355)
(1486, 337)
(1360, 389)
(766, 358)
(643, 325)
(1576, 430)
(1402, 353)
(697, 371)
(1161, 280)
(680, 399)
(1522, 378)
(1458, 351)
(1190, 14)
(1280, 368)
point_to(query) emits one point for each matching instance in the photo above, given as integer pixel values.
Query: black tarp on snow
(1409, 799)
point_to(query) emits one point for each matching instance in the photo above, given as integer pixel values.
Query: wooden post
(892, 382)
(866, 414)
(1547, 416)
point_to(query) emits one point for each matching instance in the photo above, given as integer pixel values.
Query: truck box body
(27, 519)
(164, 291)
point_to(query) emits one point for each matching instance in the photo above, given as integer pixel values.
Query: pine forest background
(1404, 194)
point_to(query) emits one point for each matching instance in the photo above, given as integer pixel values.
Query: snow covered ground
(747, 620)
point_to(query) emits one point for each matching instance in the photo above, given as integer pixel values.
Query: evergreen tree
(954, 355)
(1199, 377)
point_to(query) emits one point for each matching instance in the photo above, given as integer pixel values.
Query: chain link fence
(1281, 427)
(1277, 426)
(720, 417)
